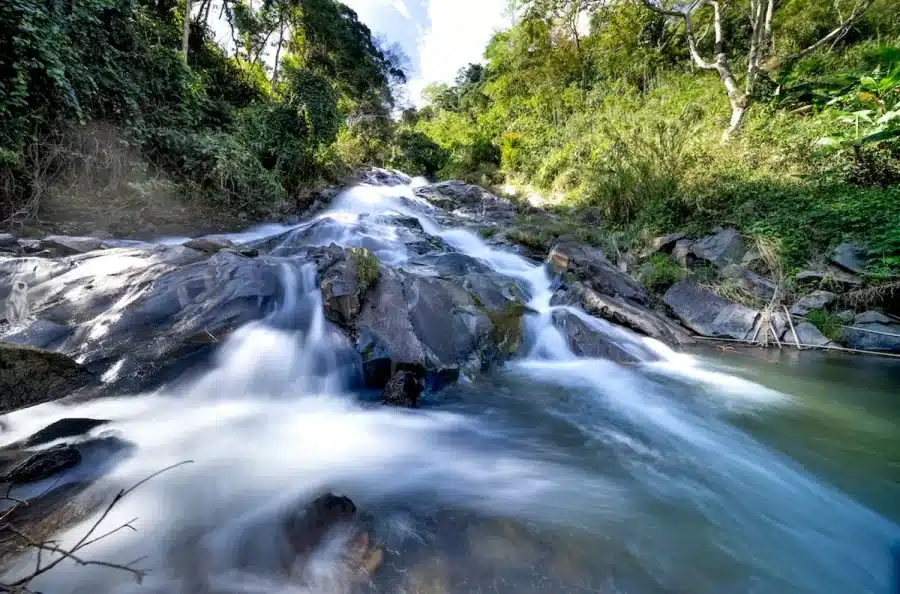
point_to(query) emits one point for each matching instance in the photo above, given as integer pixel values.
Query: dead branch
(21, 585)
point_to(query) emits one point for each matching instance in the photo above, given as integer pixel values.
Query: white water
(633, 463)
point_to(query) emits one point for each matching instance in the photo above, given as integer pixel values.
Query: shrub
(659, 273)
(827, 323)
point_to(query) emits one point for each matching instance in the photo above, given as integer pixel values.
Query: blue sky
(438, 36)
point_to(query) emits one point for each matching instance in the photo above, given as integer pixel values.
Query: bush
(660, 273)
(827, 323)
(416, 154)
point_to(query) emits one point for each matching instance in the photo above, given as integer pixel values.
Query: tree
(761, 15)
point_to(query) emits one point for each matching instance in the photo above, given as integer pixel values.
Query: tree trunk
(278, 52)
(187, 29)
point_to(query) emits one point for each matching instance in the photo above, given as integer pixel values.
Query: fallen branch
(21, 585)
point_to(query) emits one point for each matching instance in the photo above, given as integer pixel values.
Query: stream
(700, 472)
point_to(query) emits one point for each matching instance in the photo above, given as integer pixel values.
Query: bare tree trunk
(278, 51)
(187, 29)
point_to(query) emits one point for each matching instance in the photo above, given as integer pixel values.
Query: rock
(42, 334)
(208, 245)
(872, 331)
(872, 317)
(591, 266)
(750, 282)
(808, 335)
(664, 243)
(588, 342)
(60, 429)
(846, 316)
(468, 201)
(724, 248)
(619, 311)
(682, 253)
(815, 300)
(754, 261)
(850, 257)
(345, 281)
(708, 314)
(402, 390)
(306, 528)
(64, 245)
(7, 240)
(385, 177)
(30, 376)
(829, 274)
(43, 464)
(387, 339)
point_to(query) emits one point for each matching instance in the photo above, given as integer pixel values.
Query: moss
(660, 273)
(827, 323)
(487, 232)
(507, 333)
(367, 266)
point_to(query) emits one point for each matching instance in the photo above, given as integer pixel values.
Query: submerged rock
(30, 376)
(43, 464)
(708, 314)
(724, 248)
(590, 265)
(815, 300)
(402, 390)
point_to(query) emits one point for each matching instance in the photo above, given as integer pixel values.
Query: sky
(438, 36)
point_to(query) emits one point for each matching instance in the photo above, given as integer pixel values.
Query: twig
(791, 324)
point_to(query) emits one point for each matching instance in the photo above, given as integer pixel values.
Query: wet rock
(724, 248)
(344, 282)
(402, 390)
(43, 464)
(61, 429)
(494, 291)
(7, 240)
(850, 257)
(307, 527)
(809, 335)
(873, 331)
(387, 339)
(385, 177)
(42, 334)
(708, 314)
(468, 201)
(831, 274)
(208, 245)
(623, 313)
(30, 376)
(664, 243)
(589, 342)
(64, 245)
(751, 282)
(590, 265)
(451, 264)
(815, 300)
(682, 253)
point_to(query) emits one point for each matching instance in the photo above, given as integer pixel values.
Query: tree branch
(835, 34)
(689, 29)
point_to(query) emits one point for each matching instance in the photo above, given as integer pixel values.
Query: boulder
(708, 314)
(30, 376)
(815, 300)
(387, 340)
(872, 331)
(468, 201)
(42, 334)
(7, 240)
(753, 260)
(345, 281)
(402, 390)
(664, 243)
(682, 254)
(590, 265)
(588, 342)
(385, 177)
(209, 245)
(850, 257)
(623, 313)
(307, 527)
(830, 274)
(751, 282)
(724, 248)
(808, 335)
(64, 245)
(43, 464)
(60, 429)
(846, 316)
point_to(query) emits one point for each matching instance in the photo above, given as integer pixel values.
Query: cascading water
(553, 474)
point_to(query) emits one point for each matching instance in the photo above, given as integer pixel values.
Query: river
(703, 472)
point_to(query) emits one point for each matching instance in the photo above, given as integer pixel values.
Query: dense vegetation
(617, 120)
(230, 125)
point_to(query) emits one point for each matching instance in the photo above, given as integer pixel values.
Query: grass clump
(829, 324)
(659, 273)
(367, 266)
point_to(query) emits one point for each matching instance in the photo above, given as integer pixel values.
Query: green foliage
(367, 266)
(827, 323)
(416, 154)
(659, 273)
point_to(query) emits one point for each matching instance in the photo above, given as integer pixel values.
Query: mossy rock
(30, 376)
(507, 335)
